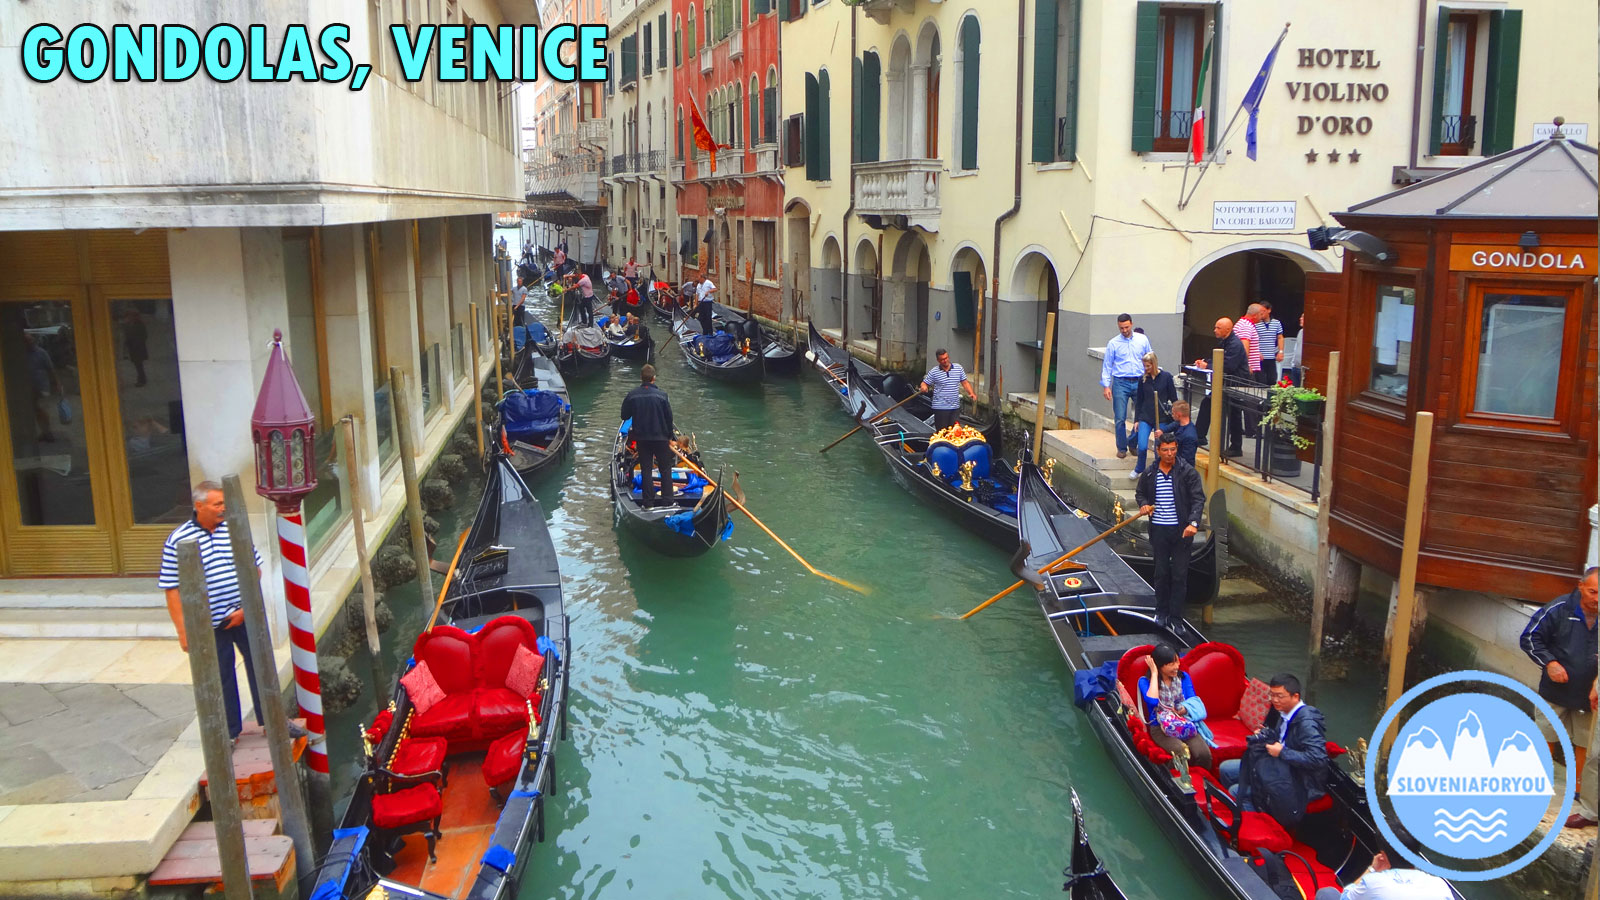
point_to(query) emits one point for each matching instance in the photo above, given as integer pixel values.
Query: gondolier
(1172, 495)
(651, 412)
(946, 381)
(706, 290)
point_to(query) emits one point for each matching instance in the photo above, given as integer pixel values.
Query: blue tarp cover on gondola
(1089, 684)
(532, 414)
(348, 842)
(719, 348)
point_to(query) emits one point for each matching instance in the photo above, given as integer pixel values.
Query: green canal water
(740, 728)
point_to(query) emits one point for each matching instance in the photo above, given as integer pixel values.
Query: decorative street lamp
(284, 431)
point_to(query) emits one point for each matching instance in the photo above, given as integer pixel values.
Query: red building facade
(725, 56)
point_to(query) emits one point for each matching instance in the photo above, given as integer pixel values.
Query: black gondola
(536, 431)
(722, 356)
(696, 521)
(830, 361)
(664, 300)
(778, 357)
(582, 350)
(503, 609)
(1103, 621)
(640, 346)
(1087, 878)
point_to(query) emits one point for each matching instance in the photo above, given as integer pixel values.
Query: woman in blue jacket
(1163, 692)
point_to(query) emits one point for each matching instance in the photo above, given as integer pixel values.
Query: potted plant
(1281, 423)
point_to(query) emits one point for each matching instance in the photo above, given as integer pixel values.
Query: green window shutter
(871, 110)
(1441, 53)
(1044, 81)
(661, 36)
(966, 305)
(1069, 134)
(860, 110)
(783, 10)
(812, 123)
(824, 133)
(970, 38)
(1144, 76)
(1500, 91)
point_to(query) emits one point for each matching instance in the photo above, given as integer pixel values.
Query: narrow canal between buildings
(741, 728)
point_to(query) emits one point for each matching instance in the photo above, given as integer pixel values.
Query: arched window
(967, 109)
(680, 133)
(754, 134)
(693, 35)
(677, 41)
(769, 107)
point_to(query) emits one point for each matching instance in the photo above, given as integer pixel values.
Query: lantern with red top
(284, 431)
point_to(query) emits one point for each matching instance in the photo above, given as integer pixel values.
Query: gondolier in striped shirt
(947, 380)
(210, 531)
(1171, 494)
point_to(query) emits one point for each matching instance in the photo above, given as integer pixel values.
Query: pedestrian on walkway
(1561, 638)
(1172, 495)
(1292, 358)
(1271, 333)
(1245, 331)
(946, 381)
(652, 433)
(1151, 402)
(1120, 373)
(210, 532)
(1235, 365)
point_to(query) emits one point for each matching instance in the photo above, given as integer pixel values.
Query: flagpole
(1199, 96)
(1271, 61)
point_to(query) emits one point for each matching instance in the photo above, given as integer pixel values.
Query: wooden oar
(868, 422)
(762, 525)
(1046, 570)
(448, 577)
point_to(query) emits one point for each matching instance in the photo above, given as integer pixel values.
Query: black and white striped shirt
(946, 386)
(216, 558)
(1166, 511)
(1271, 332)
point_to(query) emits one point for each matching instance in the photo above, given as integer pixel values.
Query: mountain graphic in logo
(1482, 791)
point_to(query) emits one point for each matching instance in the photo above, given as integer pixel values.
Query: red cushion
(1255, 704)
(503, 759)
(419, 755)
(497, 643)
(1334, 749)
(1320, 875)
(408, 807)
(1217, 671)
(522, 678)
(380, 727)
(449, 718)
(1230, 735)
(422, 687)
(1257, 830)
(1321, 804)
(497, 711)
(1131, 668)
(448, 652)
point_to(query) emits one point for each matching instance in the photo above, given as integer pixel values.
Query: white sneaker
(1132, 475)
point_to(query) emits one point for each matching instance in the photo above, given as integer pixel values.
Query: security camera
(1359, 241)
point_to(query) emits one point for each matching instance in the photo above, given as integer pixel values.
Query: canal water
(741, 728)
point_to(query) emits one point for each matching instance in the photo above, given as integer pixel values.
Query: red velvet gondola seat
(477, 707)
(408, 811)
(1219, 677)
(503, 760)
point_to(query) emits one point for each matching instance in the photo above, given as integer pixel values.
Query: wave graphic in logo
(1471, 824)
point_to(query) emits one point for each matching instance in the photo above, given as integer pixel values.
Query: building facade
(725, 60)
(567, 159)
(145, 274)
(642, 204)
(1059, 131)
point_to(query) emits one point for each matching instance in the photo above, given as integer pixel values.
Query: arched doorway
(725, 262)
(799, 282)
(906, 320)
(1034, 282)
(827, 286)
(865, 300)
(1228, 281)
(956, 328)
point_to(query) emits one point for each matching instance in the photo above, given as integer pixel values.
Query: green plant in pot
(1281, 424)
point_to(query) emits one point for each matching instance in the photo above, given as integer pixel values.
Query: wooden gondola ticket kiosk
(1483, 313)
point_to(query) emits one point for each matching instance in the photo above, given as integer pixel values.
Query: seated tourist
(1382, 881)
(1292, 733)
(1165, 692)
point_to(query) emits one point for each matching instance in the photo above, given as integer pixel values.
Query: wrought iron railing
(1064, 133)
(1269, 452)
(1460, 131)
(1173, 124)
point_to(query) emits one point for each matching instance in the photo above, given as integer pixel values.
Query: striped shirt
(216, 558)
(1245, 330)
(1271, 332)
(946, 386)
(1166, 511)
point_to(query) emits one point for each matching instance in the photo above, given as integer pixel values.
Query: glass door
(54, 505)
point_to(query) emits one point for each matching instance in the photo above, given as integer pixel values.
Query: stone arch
(831, 257)
(1035, 280)
(897, 129)
(1227, 280)
(926, 75)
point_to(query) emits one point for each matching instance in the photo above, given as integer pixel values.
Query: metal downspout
(1416, 81)
(844, 248)
(1016, 206)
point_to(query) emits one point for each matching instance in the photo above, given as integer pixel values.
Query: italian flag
(1197, 132)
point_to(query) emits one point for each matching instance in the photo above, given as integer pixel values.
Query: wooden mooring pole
(1411, 544)
(1214, 430)
(408, 471)
(369, 589)
(217, 748)
(297, 823)
(1322, 574)
(477, 383)
(1044, 383)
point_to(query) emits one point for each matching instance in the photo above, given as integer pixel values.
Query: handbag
(64, 411)
(1174, 725)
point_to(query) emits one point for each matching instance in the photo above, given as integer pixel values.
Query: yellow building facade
(1006, 160)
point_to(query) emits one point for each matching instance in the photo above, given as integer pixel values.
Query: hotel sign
(1253, 215)
(1515, 260)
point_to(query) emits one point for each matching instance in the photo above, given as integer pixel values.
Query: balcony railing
(677, 170)
(1457, 135)
(705, 61)
(900, 187)
(879, 10)
(736, 45)
(766, 159)
(593, 131)
(654, 160)
(661, 224)
(619, 164)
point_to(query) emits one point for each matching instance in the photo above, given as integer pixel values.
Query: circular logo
(1073, 582)
(1469, 775)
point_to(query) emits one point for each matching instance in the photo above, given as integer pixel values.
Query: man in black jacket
(1561, 638)
(1293, 733)
(1171, 494)
(1235, 364)
(652, 432)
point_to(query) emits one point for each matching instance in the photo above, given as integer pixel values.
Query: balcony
(654, 161)
(661, 224)
(705, 61)
(880, 10)
(593, 132)
(736, 45)
(901, 187)
(677, 169)
(767, 159)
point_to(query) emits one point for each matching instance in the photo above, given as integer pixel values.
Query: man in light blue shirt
(1120, 374)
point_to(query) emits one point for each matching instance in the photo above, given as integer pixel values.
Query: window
(1055, 80)
(867, 130)
(677, 42)
(764, 237)
(760, 7)
(692, 32)
(630, 60)
(1393, 320)
(1169, 44)
(679, 144)
(1521, 339)
(967, 111)
(648, 46)
(794, 138)
(769, 108)
(816, 131)
(661, 35)
(755, 111)
(789, 10)
(1476, 57)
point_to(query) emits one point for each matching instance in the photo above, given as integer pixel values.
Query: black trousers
(227, 638)
(654, 454)
(586, 310)
(1234, 431)
(944, 418)
(1171, 551)
(705, 319)
(1269, 371)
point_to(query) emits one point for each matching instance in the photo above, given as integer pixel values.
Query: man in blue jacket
(652, 430)
(1293, 733)
(1561, 638)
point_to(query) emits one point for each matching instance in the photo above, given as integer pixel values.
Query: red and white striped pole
(302, 630)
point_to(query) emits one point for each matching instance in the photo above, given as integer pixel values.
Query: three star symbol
(1311, 156)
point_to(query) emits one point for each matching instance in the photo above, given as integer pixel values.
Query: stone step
(87, 622)
(1094, 420)
(76, 593)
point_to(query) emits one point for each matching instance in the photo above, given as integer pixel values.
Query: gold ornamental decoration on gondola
(958, 435)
